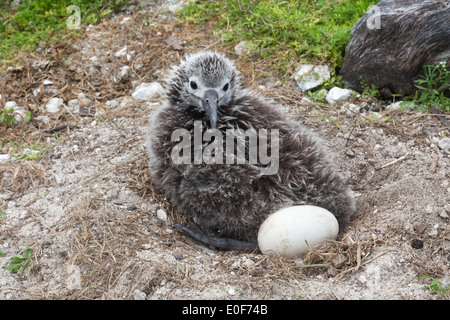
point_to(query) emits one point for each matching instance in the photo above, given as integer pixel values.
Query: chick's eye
(193, 85)
(225, 87)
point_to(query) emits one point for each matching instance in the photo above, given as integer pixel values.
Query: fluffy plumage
(234, 199)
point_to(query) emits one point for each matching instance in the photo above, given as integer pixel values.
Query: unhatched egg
(289, 231)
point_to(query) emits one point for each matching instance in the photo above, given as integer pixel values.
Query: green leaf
(27, 116)
(18, 257)
(13, 267)
(422, 88)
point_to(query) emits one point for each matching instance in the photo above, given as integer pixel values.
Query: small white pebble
(161, 214)
(232, 292)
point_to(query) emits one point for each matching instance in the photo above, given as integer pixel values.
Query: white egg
(289, 231)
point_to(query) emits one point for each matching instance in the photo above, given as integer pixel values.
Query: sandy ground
(99, 230)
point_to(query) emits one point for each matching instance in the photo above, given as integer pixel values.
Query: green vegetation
(313, 31)
(27, 152)
(20, 261)
(280, 30)
(438, 287)
(8, 118)
(431, 88)
(23, 26)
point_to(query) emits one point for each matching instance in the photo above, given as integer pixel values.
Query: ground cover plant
(24, 25)
(432, 86)
(316, 30)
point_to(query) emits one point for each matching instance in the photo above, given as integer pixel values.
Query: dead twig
(393, 162)
(60, 128)
(434, 165)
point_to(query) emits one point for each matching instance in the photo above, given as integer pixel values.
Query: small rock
(434, 231)
(174, 6)
(39, 64)
(350, 154)
(444, 144)
(139, 295)
(111, 104)
(7, 195)
(352, 110)
(375, 108)
(111, 194)
(394, 106)
(310, 76)
(123, 73)
(399, 105)
(121, 52)
(377, 147)
(125, 20)
(147, 91)
(58, 178)
(447, 208)
(54, 105)
(161, 215)
(365, 108)
(232, 292)
(10, 105)
(93, 58)
(429, 209)
(444, 214)
(419, 227)
(399, 150)
(49, 91)
(131, 207)
(87, 107)
(43, 119)
(174, 42)
(47, 243)
(337, 94)
(353, 107)
(242, 48)
(4, 157)
(376, 115)
(85, 102)
(74, 105)
(19, 115)
(177, 256)
(48, 83)
(305, 101)
(362, 279)
(37, 92)
(248, 263)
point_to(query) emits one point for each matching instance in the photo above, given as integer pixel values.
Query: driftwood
(392, 42)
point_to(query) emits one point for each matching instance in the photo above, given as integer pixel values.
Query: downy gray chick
(233, 198)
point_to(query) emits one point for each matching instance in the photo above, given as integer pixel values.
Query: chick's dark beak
(209, 103)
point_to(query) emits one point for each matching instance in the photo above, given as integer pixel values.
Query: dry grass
(105, 241)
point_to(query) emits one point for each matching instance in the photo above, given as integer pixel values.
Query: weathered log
(392, 42)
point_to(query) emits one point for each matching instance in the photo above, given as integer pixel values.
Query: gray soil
(99, 230)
